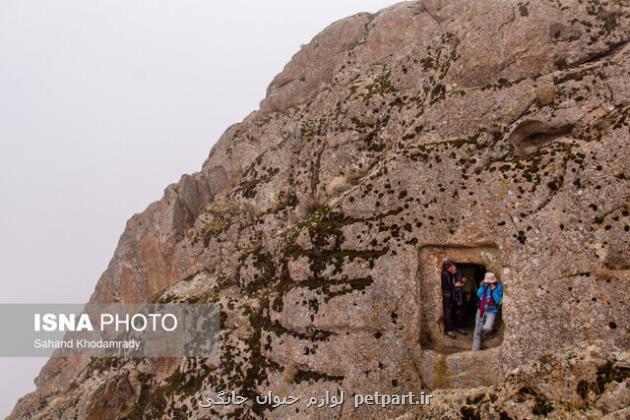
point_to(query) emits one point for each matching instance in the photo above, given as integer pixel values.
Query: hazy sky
(103, 104)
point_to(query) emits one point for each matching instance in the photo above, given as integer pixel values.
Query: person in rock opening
(452, 299)
(490, 294)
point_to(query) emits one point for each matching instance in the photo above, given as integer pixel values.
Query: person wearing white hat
(490, 294)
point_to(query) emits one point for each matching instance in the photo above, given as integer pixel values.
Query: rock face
(492, 133)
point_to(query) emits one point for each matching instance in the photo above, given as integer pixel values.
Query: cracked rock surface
(495, 133)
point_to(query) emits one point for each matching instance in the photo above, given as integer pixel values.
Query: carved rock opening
(446, 362)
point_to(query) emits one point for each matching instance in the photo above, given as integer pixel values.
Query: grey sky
(104, 103)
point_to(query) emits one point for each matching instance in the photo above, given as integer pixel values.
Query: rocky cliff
(493, 133)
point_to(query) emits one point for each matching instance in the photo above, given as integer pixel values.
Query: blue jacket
(497, 295)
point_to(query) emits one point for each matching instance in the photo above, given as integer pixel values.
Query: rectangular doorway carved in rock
(472, 262)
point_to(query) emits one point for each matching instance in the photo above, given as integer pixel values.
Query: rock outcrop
(493, 133)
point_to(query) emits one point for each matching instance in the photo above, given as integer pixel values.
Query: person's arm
(459, 282)
(497, 293)
(482, 289)
(447, 287)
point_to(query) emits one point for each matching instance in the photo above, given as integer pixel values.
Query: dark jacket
(450, 293)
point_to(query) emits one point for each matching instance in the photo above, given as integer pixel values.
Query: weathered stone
(545, 93)
(491, 133)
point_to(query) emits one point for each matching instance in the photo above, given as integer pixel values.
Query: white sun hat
(490, 278)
